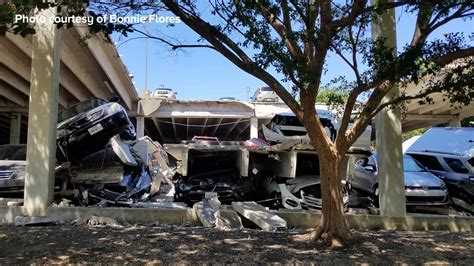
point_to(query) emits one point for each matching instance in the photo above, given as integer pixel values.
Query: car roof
(455, 141)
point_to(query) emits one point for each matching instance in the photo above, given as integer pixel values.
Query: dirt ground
(191, 245)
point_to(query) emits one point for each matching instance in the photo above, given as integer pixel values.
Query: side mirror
(114, 99)
(369, 168)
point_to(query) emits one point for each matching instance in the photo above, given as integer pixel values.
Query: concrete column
(43, 115)
(253, 127)
(15, 128)
(456, 122)
(140, 126)
(389, 131)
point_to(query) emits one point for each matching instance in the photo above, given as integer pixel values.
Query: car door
(367, 175)
(364, 174)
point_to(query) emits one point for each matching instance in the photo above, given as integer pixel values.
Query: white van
(449, 154)
(265, 94)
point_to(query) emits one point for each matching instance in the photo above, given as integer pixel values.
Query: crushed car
(87, 127)
(302, 192)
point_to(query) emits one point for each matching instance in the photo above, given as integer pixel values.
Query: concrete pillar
(253, 127)
(15, 128)
(140, 126)
(43, 115)
(389, 132)
(455, 122)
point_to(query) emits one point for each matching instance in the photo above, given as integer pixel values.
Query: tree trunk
(332, 227)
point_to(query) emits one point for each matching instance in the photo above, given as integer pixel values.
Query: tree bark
(332, 227)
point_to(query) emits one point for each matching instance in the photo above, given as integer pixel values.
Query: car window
(266, 89)
(471, 161)
(410, 165)
(430, 162)
(80, 108)
(456, 165)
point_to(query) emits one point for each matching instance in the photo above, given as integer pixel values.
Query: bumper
(427, 197)
(12, 185)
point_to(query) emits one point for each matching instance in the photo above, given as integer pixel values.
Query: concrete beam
(41, 151)
(13, 109)
(15, 128)
(233, 127)
(455, 122)
(69, 58)
(15, 64)
(140, 126)
(411, 117)
(253, 127)
(391, 185)
(12, 94)
(262, 217)
(107, 57)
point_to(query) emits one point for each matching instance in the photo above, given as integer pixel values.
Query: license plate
(93, 130)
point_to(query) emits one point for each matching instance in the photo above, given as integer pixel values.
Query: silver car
(12, 168)
(421, 186)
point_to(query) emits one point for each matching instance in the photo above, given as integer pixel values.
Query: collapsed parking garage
(128, 172)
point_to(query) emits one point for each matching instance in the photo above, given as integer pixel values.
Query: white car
(285, 127)
(164, 93)
(265, 94)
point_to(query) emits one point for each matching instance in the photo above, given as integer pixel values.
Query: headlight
(114, 108)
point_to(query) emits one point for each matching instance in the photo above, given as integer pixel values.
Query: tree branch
(229, 49)
(282, 31)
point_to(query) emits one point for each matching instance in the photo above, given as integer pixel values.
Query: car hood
(422, 179)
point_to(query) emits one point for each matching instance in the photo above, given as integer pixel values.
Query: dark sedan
(86, 127)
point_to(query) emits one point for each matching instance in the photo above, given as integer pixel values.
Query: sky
(202, 74)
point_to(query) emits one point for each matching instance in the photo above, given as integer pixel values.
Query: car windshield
(266, 89)
(410, 165)
(287, 121)
(80, 108)
(162, 92)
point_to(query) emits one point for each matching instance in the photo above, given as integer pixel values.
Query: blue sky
(202, 73)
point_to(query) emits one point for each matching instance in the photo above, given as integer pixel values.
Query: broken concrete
(258, 214)
(205, 213)
(228, 220)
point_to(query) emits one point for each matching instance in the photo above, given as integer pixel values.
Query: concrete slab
(228, 220)
(258, 214)
(205, 213)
